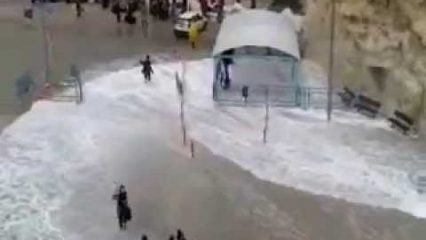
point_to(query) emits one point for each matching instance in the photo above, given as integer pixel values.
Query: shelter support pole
(265, 128)
(331, 61)
(215, 77)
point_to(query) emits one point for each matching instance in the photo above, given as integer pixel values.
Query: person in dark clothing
(116, 9)
(130, 18)
(180, 235)
(227, 61)
(244, 93)
(144, 237)
(166, 9)
(172, 237)
(154, 8)
(147, 68)
(133, 6)
(123, 210)
(105, 4)
(163, 10)
(78, 8)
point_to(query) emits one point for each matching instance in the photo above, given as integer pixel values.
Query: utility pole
(331, 61)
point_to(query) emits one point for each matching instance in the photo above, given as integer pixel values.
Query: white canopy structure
(258, 28)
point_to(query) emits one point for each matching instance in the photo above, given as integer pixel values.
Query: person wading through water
(124, 213)
(147, 68)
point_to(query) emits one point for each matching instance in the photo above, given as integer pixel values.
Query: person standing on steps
(147, 68)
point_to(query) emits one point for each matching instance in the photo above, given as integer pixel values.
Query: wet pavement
(94, 39)
(207, 196)
(211, 198)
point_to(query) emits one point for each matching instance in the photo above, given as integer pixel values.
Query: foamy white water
(56, 146)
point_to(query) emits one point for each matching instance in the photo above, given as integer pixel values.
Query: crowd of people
(159, 9)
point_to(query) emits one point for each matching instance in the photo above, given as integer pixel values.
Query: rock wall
(380, 49)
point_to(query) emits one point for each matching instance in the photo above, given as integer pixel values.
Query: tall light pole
(331, 61)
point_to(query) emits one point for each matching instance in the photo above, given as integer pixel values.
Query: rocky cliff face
(380, 49)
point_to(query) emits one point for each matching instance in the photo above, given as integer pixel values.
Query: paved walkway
(89, 41)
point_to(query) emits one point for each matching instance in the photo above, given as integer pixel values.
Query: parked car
(185, 21)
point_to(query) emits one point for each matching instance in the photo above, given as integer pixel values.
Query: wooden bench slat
(404, 117)
(401, 126)
(369, 101)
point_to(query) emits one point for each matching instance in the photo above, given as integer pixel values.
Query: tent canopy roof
(258, 28)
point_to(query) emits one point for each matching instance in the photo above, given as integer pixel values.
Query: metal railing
(289, 96)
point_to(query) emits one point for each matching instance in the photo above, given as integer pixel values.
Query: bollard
(192, 147)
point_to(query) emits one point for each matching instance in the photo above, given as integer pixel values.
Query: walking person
(227, 61)
(130, 18)
(78, 8)
(244, 93)
(105, 4)
(116, 10)
(180, 235)
(147, 68)
(123, 209)
(193, 35)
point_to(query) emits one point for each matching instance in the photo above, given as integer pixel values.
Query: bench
(347, 96)
(367, 106)
(401, 121)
